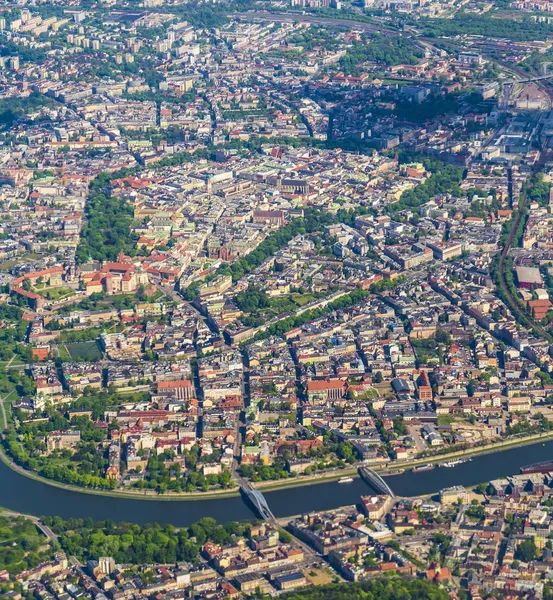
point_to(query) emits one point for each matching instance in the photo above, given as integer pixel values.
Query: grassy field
(8, 409)
(302, 299)
(57, 293)
(87, 351)
(320, 576)
(370, 394)
(64, 353)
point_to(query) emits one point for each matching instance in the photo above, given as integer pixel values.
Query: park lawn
(14, 362)
(13, 528)
(57, 293)
(319, 576)
(87, 351)
(7, 408)
(371, 394)
(64, 353)
(303, 299)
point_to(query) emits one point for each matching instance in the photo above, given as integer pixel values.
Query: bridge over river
(22, 494)
(259, 503)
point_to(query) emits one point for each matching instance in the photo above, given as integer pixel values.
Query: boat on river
(345, 480)
(452, 463)
(539, 467)
(423, 468)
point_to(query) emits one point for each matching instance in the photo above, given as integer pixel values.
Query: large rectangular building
(528, 277)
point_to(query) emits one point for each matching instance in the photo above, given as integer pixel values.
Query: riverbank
(390, 470)
(468, 453)
(271, 486)
(128, 495)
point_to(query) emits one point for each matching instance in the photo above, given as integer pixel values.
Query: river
(21, 494)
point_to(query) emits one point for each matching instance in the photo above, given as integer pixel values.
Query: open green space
(85, 351)
(20, 544)
(57, 293)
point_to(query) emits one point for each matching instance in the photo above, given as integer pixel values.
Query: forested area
(313, 37)
(107, 230)
(12, 333)
(487, 26)
(445, 179)
(129, 543)
(20, 545)
(382, 50)
(15, 108)
(376, 589)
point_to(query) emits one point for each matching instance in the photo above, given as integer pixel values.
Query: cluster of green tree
(426, 350)
(86, 465)
(10, 313)
(252, 300)
(80, 335)
(284, 325)
(259, 306)
(347, 13)
(539, 190)
(163, 477)
(25, 53)
(313, 220)
(278, 469)
(389, 588)
(12, 109)
(536, 59)
(475, 510)
(10, 380)
(486, 26)
(382, 50)
(99, 301)
(98, 401)
(386, 284)
(444, 180)
(72, 476)
(480, 208)
(133, 544)
(527, 551)
(12, 337)
(208, 17)
(20, 545)
(440, 545)
(29, 456)
(310, 38)
(333, 454)
(107, 230)
(526, 427)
